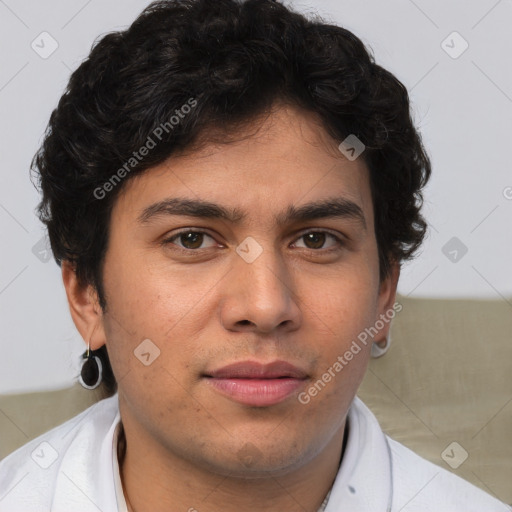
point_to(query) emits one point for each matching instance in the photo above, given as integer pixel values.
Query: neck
(150, 487)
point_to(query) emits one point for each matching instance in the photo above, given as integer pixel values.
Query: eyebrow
(337, 207)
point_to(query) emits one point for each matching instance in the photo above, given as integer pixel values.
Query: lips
(256, 384)
(255, 370)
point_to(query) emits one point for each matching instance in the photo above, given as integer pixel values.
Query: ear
(386, 302)
(84, 307)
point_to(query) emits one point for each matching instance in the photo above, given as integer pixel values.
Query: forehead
(273, 166)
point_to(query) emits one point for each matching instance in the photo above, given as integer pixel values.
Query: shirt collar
(364, 481)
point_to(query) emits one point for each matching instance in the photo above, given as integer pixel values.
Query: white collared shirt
(74, 468)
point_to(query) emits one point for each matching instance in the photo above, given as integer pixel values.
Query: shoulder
(420, 485)
(28, 475)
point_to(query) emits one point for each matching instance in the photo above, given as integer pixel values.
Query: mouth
(256, 384)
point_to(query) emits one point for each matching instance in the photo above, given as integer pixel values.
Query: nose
(259, 296)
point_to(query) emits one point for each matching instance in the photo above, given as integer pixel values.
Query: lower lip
(257, 392)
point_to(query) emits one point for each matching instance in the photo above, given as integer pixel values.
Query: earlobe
(84, 307)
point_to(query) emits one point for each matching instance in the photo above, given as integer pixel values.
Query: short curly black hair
(232, 60)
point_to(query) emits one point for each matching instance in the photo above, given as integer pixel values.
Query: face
(218, 325)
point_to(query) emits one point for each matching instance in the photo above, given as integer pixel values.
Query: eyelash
(339, 242)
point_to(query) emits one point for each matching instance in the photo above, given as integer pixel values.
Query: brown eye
(191, 240)
(188, 240)
(316, 239)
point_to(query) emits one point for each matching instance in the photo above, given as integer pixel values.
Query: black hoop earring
(91, 373)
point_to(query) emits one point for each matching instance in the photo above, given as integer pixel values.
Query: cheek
(152, 299)
(337, 319)
(167, 306)
(345, 304)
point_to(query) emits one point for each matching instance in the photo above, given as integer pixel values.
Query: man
(230, 190)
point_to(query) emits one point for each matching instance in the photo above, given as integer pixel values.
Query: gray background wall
(462, 103)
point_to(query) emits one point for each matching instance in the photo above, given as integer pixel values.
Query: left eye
(192, 240)
(316, 239)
